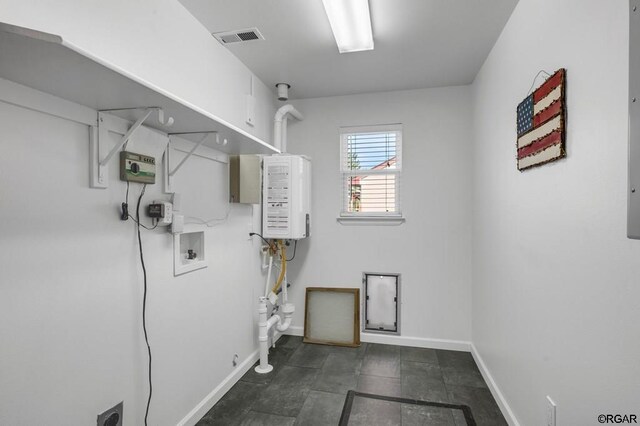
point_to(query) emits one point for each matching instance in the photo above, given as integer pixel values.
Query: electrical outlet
(111, 417)
(551, 412)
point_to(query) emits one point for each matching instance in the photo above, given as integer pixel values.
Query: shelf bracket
(98, 139)
(168, 172)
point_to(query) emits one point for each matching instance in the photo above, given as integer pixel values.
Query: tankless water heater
(286, 198)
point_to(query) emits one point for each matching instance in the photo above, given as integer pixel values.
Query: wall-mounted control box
(137, 167)
(245, 177)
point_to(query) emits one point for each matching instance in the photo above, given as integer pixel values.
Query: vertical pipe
(267, 284)
(283, 135)
(285, 296)
(277, 134)
(263, 337)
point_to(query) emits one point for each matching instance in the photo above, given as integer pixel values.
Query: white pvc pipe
(288, 109)
(288, 317)
(268, 283)
(277, 124)
(283, 134)
(263, 337)
(285, 296)
(273, 321)
(264, 325)
(277, 134)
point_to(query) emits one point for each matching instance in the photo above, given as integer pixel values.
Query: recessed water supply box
(188, 252)
(286, 197)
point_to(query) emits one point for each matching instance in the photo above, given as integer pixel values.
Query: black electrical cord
(125, 212)
(144, 300)
(295, 247)
(145, 227)
(251, 234)
(125, 206)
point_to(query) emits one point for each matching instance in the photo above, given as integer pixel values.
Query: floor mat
(368, 410)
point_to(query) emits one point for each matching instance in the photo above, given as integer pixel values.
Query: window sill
(371, 220)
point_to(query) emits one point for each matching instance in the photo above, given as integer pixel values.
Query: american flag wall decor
(540, 123)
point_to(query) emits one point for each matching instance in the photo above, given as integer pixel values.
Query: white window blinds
(371, 164)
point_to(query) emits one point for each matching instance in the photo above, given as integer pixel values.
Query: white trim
(294, 330)
(371, 220)
(507, 412)
(214, 396)
(376, 128)
(370, 172)
(416, 342)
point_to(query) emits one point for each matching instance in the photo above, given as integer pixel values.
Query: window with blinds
(371, 164)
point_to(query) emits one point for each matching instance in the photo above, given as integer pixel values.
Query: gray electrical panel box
(633, 190)
(381, 302)
(245, 176)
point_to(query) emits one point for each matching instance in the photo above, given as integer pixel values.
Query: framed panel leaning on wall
(332, 316)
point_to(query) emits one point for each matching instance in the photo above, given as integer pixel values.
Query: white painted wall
(160, 42)
(71, 284)
(555, 285)
(432, 249)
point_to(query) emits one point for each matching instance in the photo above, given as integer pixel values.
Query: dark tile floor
(309, 383)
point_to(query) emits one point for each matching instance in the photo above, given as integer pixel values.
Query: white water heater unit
(286, 198)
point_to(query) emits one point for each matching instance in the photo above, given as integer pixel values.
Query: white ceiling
(418, 43)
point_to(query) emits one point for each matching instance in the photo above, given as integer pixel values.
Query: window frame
(395, 217)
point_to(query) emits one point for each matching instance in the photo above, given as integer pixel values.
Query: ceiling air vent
(238, 36)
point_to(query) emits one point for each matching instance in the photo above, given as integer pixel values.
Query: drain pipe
(264, 325)
(266, 286)
(279, 135)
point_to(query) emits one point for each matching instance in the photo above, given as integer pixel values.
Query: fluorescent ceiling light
(351, 24)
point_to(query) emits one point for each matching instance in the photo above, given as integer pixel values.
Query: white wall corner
(506, 410)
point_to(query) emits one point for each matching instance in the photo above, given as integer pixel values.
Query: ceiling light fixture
(351, 24)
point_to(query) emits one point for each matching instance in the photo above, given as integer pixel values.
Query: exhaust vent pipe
(283, 91)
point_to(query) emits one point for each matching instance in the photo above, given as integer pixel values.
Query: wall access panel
(382, 307)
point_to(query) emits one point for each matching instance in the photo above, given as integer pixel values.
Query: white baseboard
(214, 396)
(416, 342)
(295, 331)
(495, 390)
